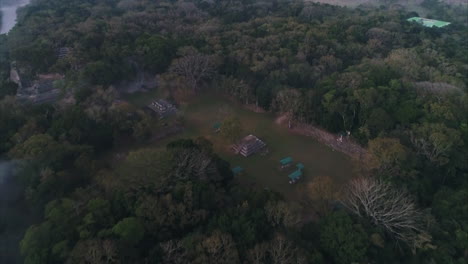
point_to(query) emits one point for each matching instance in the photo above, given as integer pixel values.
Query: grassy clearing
(263, 171)
(142, 98)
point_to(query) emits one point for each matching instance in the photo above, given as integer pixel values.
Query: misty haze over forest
(233, 131)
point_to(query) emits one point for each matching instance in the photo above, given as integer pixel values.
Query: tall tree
(343, 240)
(231, 129)
(194, 67)
(322, 191)
(435, 141)
(288, 101)
(388, 154)
(387, 207)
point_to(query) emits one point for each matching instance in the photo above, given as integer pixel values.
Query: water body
(9, 15)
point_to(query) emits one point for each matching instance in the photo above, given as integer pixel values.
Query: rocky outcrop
(14, 76)
(41, 90)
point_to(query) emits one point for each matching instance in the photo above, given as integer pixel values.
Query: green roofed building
(429, 22)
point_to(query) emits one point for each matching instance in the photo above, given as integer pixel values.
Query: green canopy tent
(300, 166)
(285, 162)
(295, 176)
(217, 126)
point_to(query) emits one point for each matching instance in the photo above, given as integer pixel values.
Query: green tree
(231, 129)
(143, 129)
(48, 242)
(407, 112)
(129, 230)
(340, 106)
(451, 211)
(343, 240)
(7, 88)
(379, 120)
(98, 217)
(35, 244)
(388, 154)
(145, 169)
(288, 101)
(101, 73)
(12, 117)
(42, 148)
(156, 52)
(436, 141)
(322, 191)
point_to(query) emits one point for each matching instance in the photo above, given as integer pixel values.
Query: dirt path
(346, 145)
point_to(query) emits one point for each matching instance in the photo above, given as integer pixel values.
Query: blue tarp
(237, 170)
(295, 175)
(300, 166)
(217, 125)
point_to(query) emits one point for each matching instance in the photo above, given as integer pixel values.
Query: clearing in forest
(262, 171)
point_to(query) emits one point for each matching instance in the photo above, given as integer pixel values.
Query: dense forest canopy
(398, 88)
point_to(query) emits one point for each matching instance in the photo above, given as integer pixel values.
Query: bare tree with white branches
(281, 250)
(174, 252)
(435, 141)
(387, 207)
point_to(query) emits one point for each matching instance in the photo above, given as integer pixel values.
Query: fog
(14, 216)
(9, 14)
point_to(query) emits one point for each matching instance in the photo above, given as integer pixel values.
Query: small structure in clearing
(217, 127)
(163, 108)
(237, 170)
(429, 22)
(63, 52)
(295, 176)
(300, 166)
(249, 146)
(286, 162)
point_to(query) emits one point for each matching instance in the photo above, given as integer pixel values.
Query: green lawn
(142, 98)
(263, 171)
